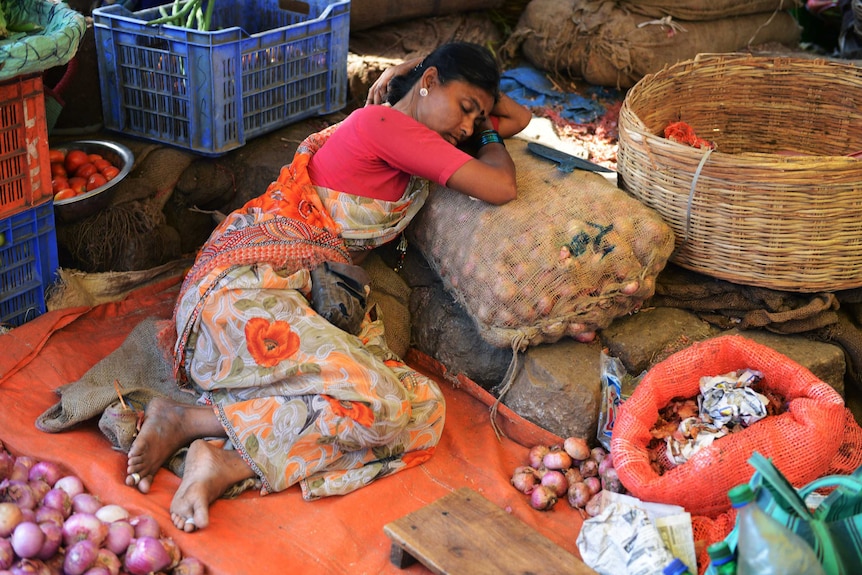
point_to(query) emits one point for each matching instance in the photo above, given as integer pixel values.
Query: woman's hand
(379, 89)
(513, 117)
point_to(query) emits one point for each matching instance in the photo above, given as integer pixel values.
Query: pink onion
(39, 488)
(524, 479)
(7, 554)
(47, 471)
(146, 526)
(594, 505)
(86, 503)
(19, 493)
(98, 570)
(58, 499)
(173, 551)
(10, 517)
(606, 463)
(120, 535)
(543, 498)
(537, 454)
(80, 556)
(111, 513)
(556, 480)
(25, 461)
(598, 453)
(28, 515)
(71, 484)
(557, 458)
(30, 567)
(108, 560)
(577, 448)
(589, 468)
(53, 539)
(27, 539)
(611, 481)
(573, 475)
(81, 526)
(594, 484)
(579, 494)
(49, 515)
(146, 555)
(189, 566)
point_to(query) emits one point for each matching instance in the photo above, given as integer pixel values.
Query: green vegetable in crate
(187, 14)
(11, 27)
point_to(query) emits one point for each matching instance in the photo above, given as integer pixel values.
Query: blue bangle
(489, 137)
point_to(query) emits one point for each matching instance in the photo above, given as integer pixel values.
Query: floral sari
(301, 400)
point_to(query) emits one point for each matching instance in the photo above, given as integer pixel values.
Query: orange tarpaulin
(281, 531)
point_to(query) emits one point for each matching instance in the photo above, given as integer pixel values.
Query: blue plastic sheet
(531, 88)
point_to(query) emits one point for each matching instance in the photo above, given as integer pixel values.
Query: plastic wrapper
(617, 385)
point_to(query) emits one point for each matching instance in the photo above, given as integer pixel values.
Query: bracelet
(489, 137)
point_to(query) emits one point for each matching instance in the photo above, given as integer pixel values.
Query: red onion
(71, 484)
(7, 462)
(146, 526)
(120, 535)
(7, 554)
(598, 453)
(594, 505)
(556, 480)
(19, 472)
(108, 560)
(579, 494)
(557, 458)
(173, 551)
(19, 493)
(47, 471)
(573, 475)
(86, 503)
(80, 556)
(606, 463)
(39, 488)
(111, 513)
(27, 539)
(58, 499)
(589, 468)
(525, 479)
(543, 498)
(10, 517)
(53, 539)
(28, 515)
(98, 570)
(577, 448)
(49, 515)
(81, 526)
(25, 461)
(30, 567)
(146, 555)
(537, 454)
(611, 481)
(189, 566)
(593, 483)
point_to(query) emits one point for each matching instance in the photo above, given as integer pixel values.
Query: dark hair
(465, 61)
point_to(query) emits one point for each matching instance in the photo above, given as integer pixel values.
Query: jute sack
(607, 45)
(568, 256)
(698, 10)
(366, 14)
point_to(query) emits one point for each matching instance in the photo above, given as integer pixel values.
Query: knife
(565, 162)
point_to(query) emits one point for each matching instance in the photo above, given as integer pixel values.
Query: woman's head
(452, 91)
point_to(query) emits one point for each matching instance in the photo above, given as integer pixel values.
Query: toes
(145, 484)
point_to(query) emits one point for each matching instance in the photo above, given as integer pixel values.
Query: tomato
(57, 170)
(78, 184)
(59, 183)
(94, 157)
(86, 170)
(101, 164)
(65, 194)
(110, 172)
(96, 180)
(75, 159)
(56, 156)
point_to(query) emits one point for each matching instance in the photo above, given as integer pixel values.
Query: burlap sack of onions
(566, 258)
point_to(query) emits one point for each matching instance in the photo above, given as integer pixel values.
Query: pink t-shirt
(377, 149)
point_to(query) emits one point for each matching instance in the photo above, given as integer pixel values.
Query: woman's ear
(429, 78)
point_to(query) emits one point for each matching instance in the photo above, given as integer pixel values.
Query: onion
(589, 468)
(98, 570)
(71, 484)
(598, 453)
(577, 448)
(556, 480)
(543, 498)
(120, 535)
(10, 517)
(537, 454)
(25, 461)
(47, 471)
(594, 505)
(27, 539)
(19, 493)
(80, 556)
(606, 463)
(111, 513)
(58, 499)
(525, 479)
(7, 554)
(573, 475)
(84, 526)
(7, 462)
(108, 560)
(146, 526)
(86, 503)
(146, 555)
(30, 567)
(38, 488)
(593, 483)
(579, 494)
(19, 472)
(49, 515)
(173, 551)
(53, 539)
(611, 481)
(189, 566)
(557, 458)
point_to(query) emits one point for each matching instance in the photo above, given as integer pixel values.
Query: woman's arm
(378, 90)
(491, 175)
(513, 116)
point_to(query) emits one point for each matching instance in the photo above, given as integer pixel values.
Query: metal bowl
(91, 202)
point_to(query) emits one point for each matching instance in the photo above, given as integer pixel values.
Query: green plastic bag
(833, 529)
(62, 29)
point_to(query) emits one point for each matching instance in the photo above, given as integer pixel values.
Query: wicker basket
(749, 212)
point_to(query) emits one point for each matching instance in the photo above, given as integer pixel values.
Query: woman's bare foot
(209, 472)
(167, 427)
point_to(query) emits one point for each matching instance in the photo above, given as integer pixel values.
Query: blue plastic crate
(28, 263)
(260, 69)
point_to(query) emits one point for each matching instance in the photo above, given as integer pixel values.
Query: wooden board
(465, 534)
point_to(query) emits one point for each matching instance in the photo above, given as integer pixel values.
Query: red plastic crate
(25, 169)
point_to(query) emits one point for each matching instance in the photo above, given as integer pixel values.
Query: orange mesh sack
(568, 256)
(802, 441)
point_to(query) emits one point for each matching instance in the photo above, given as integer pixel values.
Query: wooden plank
(465, 534)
